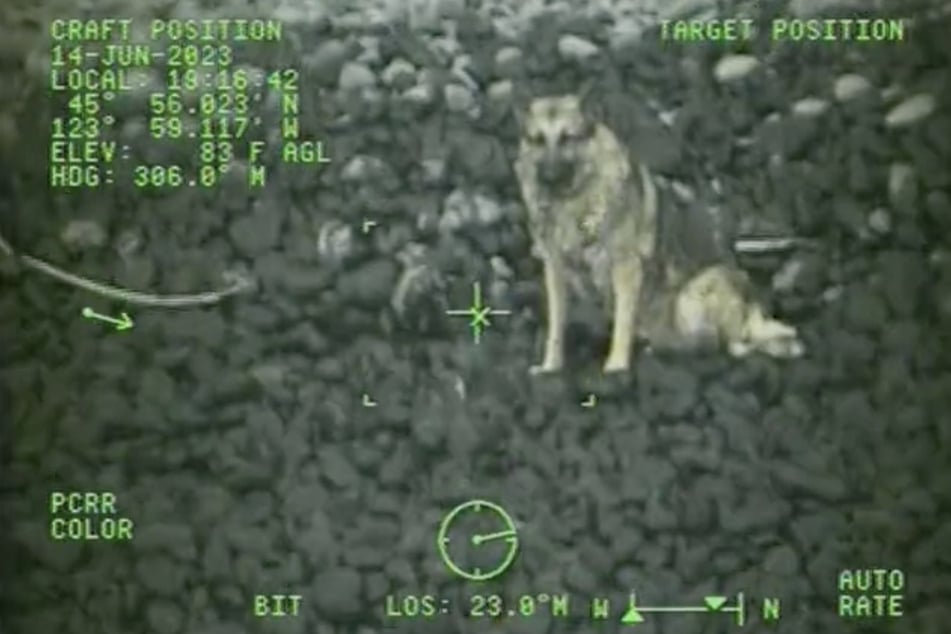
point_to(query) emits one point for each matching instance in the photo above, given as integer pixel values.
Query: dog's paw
(616, 366)
(739, 349)
(791, 348)
(777, 339)
(544, 368)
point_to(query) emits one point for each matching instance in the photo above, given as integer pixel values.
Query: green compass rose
(477, 540)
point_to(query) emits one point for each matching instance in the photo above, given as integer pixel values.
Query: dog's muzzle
(555, 171)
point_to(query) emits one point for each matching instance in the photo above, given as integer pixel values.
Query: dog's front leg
(555, 295)
(626, 280)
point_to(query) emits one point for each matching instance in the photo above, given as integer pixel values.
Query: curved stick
(236, 284)
(6, 248)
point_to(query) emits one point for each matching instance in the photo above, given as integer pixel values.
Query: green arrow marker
(632, 616)
(123, 322)
(714, 603)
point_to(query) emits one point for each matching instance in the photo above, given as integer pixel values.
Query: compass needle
(481, 539)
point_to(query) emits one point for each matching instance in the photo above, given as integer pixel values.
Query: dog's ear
(586, 90)
(521, 100)
(588, 98)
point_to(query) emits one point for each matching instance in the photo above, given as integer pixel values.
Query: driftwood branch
(235, 283)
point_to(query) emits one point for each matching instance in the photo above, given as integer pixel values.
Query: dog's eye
(577, 134)
(571, 136)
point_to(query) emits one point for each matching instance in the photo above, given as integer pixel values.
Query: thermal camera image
(475, 317)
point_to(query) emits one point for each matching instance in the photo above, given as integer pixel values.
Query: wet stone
(911, 111)
(734, 67)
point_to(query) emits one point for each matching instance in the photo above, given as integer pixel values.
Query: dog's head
(556, 138)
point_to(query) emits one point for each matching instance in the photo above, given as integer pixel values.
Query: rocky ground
(236, 436)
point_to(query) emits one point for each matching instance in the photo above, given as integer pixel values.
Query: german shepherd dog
(593, 215)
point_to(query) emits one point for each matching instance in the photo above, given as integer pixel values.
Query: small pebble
(355, 75)
(83, 234)
(734, 67)
(911, 110)
(326, 61)
(501, 91)
(880, 221)
(458, 98)
(576, 48)
(399, 74)
(509, 62)
(810, 107)
(785, 278)
(850, 86)
(902, 187)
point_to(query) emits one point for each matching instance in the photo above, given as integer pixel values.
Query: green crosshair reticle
(477, 540)
(478, 313)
